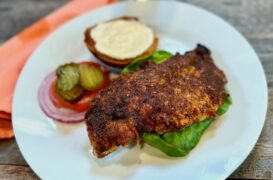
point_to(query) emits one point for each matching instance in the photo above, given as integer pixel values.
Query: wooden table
(253, 18)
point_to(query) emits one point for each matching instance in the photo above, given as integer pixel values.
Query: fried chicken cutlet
(158, 98)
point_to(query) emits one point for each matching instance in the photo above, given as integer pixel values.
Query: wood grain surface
(253, 18)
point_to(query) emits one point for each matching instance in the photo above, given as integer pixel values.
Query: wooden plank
(16, 15)
(10, 153)
(252, 18)
(17, 172)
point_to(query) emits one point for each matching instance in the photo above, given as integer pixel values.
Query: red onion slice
(49, 107)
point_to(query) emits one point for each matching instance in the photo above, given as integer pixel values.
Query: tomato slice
(84, 103)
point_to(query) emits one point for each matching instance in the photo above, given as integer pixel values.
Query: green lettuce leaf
(157, 57)
(225, 106)
(178, 143)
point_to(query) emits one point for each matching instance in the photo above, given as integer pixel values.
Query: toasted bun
(90, 43)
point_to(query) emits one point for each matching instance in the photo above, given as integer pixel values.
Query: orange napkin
(15, 52)
(5, 129)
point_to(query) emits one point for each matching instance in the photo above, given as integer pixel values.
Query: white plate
(61, 151)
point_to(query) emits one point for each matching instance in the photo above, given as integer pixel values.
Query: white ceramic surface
(62, 151)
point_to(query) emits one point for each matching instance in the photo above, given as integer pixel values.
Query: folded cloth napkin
(5, 129)
(15, 52)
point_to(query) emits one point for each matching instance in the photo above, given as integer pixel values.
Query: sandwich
(164, 100)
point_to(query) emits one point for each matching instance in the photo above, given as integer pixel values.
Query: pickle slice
(91, 77)
(71, 96)
(67, 76)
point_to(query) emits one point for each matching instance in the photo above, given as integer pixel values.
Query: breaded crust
(157, 98)
(90, 43)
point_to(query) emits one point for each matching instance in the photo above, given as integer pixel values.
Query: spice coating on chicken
(157, 98)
